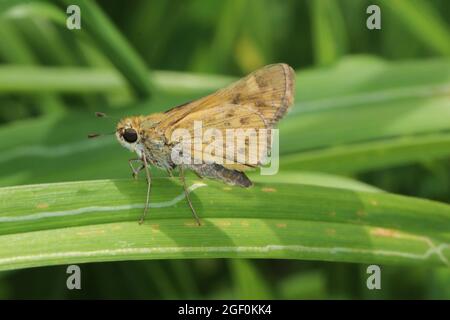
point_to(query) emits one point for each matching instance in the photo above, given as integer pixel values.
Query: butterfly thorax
(140, 135)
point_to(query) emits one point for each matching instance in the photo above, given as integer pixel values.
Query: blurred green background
(356, 88)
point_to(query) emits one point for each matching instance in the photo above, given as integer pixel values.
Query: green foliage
(371, 120)
(328, 224)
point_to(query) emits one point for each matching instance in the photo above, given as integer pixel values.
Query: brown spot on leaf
(191, 224)
(268, 190)
(224, 224)
(382, 232)
(42, 205)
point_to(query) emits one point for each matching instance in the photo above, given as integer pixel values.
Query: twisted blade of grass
(15, 50)
(97, 221)
(359, 157)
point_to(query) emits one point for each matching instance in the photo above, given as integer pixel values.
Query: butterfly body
(256, 102)
(149, 144)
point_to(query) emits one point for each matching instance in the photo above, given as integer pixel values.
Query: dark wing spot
(261, 81)
(236, 98)
(244, 121)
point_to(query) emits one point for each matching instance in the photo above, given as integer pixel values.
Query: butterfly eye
(130, 135)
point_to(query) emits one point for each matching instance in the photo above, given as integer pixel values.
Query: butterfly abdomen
(216, 171)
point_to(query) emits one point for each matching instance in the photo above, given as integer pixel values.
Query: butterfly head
(127, 133)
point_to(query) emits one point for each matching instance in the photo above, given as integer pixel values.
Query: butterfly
(255, 102)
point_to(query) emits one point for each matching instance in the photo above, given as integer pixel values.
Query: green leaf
(248, 282)
(315, 179)
(329, 35)
(395, 112)
(26, 79)
(89, 221)
(423, 21)
(360, 157)
(114, 45)
(15, 50)
(303, 285)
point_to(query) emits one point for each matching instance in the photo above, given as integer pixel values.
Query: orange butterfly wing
(257, 101)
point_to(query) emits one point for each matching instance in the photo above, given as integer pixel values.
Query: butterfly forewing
(257, 101)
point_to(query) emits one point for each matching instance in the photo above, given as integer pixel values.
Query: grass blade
(421, 18)
(328, 31)
(97, 221)
(360, 157)
(115, 46)
(396, 110)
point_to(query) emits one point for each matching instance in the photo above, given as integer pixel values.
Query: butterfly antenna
(95, 135)
(104, 115)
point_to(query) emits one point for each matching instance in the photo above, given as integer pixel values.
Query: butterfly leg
(135, 172)
(149, 185)
(186, 192)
